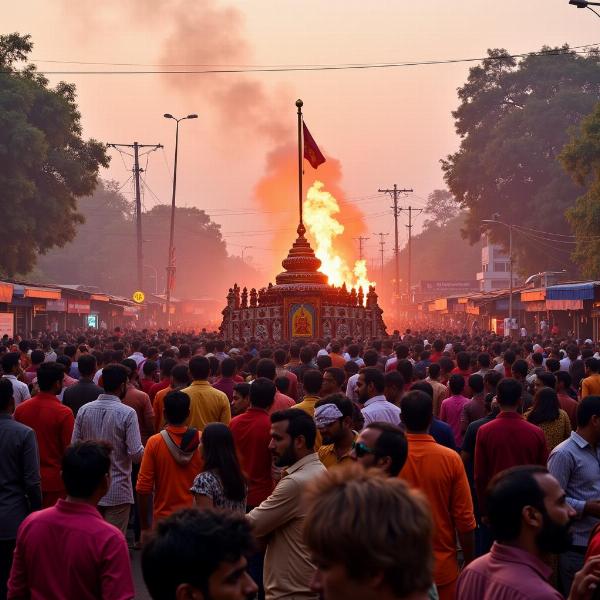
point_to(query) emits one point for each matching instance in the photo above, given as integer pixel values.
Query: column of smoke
(245, 111)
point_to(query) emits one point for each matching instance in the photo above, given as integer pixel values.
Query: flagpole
(299, 104)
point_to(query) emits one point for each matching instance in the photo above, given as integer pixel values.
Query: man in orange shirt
(171, 461)
(439, 473)
(180, 378)
(590, 386)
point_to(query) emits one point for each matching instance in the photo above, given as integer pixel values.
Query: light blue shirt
(576, 466)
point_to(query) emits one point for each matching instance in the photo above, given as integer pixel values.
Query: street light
(496, 221)
(171, 257)
(585, 4)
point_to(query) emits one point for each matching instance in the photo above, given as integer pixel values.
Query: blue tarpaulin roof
(572, 291)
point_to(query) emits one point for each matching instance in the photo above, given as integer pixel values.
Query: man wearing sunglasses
(381, 446)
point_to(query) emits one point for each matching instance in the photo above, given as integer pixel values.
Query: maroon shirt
(252, 434)
(507, 441)
(225, 385)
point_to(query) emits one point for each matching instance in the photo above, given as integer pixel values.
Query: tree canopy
(581, 158)
(513, 120)
(45, 165)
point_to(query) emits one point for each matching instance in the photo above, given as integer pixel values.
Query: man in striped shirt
(107, 418)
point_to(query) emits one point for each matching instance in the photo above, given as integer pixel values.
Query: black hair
(588, 407)
(262, 393)
(402, 351)
(243, 389)
(423, 386)
(392, 442)
(553, 365)
(312, 381)
(9, 361)
(406, 369)
(508, 493)
(266, 367)
(228, 366)
(87, 365)
(374, 376)
(177, 407)
(299, 424)
(48, 374)
(338, 374)
(394, 378)
(37, 357)
(181, 374)
(220, 457)
(282, 384)
(456, 383)
(6, 393)
(371, 357)
(463, 360)
(593, 364)
(484, 360)
(416, 410)
(545, 407)
(564, 378)
(520, 367)
(166, 366)
(324, 362)
(476, 383)
(84, 465)
(149, 367)
(113, 377)
(189, 546)
(548, 379)
(509, 392)
(306, 354)
(434, 370)
(351, 368)
(199, 367)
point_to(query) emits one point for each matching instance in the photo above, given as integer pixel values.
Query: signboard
(92, 321)
(449, 285)
(56, 305)
(78, 307)
(302, 320)
(7, 324)
(138, 296)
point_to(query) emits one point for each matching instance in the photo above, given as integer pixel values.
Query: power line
(160, 70)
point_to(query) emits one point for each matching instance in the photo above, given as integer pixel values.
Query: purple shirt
(506, 573)
(70, 551)
(451, 412)
(225, 385)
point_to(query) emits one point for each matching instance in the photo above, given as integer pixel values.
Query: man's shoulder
(16, 426)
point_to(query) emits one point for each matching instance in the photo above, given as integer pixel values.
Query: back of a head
(262, 393)
(416, 410)
(300, 423)
(9, 361)
(509, 392)
(509, 357)
(70, 351)
(593, 365)
(48, 374)
(484, 360)
(177, 407)
(335, 347)
(371, 358)
(553, 365)
(149, 367)
(548, 379)
(37, 357)
(166, 366)
(312, 381)
(199, 367)
(476, 383)
(84, 466)
(438, 345)
(423, 386)
(113, 377)
(353, 350)
(520, 368)
(180, 375)
(402, 351)
(391, 443)
(280, 356)
(463, 360)
(564, 378)
(537, 358)
(397, 549)
(87, 365)
(434, 370)
(374, 376)
(189, 546)
(282, 384)
(588, 407)
(338, 374)
(509, 492)
(6, 394)
(131, 365)
(456, 383)
(306, 354)
(406, 369)
(324, 362)
(394, 379)
(228, 367)
(351, 368)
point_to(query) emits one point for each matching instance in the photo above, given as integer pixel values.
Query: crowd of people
(431, 464)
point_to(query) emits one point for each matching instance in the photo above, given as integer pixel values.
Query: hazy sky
(385, 126)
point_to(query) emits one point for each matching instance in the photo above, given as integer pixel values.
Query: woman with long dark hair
(549, 417)
(221, 484)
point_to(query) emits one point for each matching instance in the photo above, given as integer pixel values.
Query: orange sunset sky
(384, 126)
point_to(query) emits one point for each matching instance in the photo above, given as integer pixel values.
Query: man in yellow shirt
(590, 386)
(207, 405)
(311, 382)
(333, 418)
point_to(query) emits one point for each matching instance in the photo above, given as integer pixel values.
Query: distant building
(495, 268)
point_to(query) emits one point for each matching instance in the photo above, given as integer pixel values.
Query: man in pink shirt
(452, 407)
(266, 368)
(69, 550)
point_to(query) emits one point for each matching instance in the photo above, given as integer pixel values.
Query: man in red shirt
(148, 377)
(266, 368)
(69, 550)
(53, 426)
(507, 441)
(166, 366)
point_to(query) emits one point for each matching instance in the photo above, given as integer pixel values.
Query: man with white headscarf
(333, 418)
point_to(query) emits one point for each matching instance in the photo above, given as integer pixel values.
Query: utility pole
(381, 246)
(410, 210)
(394, 193)
(138, 204)
(361, 239)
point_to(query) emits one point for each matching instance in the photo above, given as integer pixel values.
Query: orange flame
(319, 209)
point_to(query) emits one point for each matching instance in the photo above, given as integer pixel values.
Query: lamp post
(171, 257)
(495, 221)
(585, 4)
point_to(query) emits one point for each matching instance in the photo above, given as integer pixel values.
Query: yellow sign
(302, 322)
(139, 296)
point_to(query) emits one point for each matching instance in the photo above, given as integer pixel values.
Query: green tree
(442, 207)
(513, 121)
(45, 165)
(581, 158)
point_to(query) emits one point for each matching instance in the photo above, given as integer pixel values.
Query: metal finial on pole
(301, 229)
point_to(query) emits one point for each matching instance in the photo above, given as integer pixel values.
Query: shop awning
(34, 291)
(6, 292)
(572, 291)
(100, 297)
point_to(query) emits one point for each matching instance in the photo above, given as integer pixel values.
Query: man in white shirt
(11, 368)
(371, 384)
(136, 355)
(370, 360)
